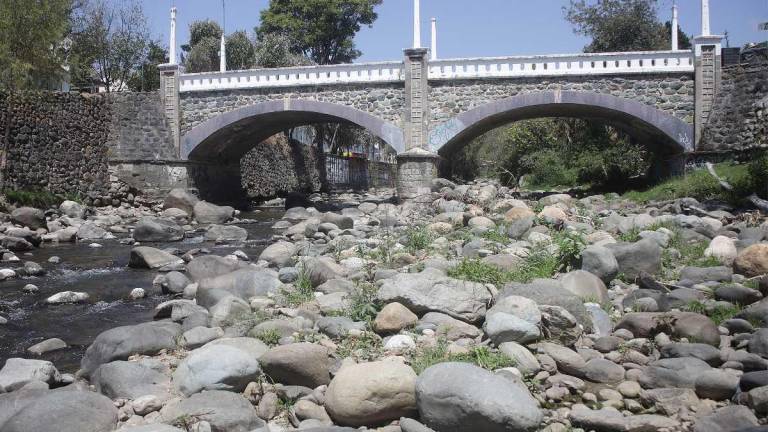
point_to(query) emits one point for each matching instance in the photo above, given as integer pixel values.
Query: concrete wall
(739, 119)
(672, 93)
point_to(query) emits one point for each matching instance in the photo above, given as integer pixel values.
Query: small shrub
(570, 245)
(478, 271)
(365, 347)
(38, 198)
(481, 356)
(270, 336)
(418, 239)
(301, 293)
(497, 235)
(363, 303)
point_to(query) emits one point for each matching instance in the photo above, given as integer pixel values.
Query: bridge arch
(228, 136)
(667, 133)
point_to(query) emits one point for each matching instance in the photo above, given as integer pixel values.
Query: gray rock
(503, 327)
(680, 324)
(612, 420)
(199, 336)
(338, 327)
(432, 291)
(224, 411)
(585, 285)
(635, 258)
(567, 360)
(254, 347)
(216, 367)
(91, 231)
(174, 283)
(121, 342)
(65, 411)
(72, 209)
(690, 276)
(321, 270)
(457, 397)
(449, 327)
(152, 229)
(29, 217)
(129, 380)
(411, 425)
(524, 360)
(758, 344)
(279, 254)
(716, 384)
(549, 292)
(149, 257)
(673, 372)
(180, 199)
(47, 345)
(242, 284)
(226, 233)
(302, 364)
(705, 352)
(207, 213)
(156, 427)
(738, 294)
(211, 266)
(601, 262)
(18, 372)
(733, 418)
(603, 371)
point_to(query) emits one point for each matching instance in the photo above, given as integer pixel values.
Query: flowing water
(104, 274)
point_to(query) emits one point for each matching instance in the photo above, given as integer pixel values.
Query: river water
(104, 274)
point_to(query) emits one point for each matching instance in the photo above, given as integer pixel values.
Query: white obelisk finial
(223, 48)
(416, 24)
(675, 26)
(434, 39)
(705, 18)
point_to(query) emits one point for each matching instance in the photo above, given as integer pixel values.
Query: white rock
(67, 297)
(399, 342)
(138, 293)
(7, 274)
(722, 248)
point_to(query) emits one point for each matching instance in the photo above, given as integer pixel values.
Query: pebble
(138, 293)
(30, 289)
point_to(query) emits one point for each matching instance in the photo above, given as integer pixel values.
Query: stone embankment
(470, 310)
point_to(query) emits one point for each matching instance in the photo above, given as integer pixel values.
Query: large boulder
(226, 233)
(29, 217)
(242, 284)
(733, 418)
(585, 285)
(18, 372)
(549, 292)
(121, 342)
(394, 317)
(432, 291)
(91, 231)
(321, 270)
(65, 411)
(180, 199)
(72, 209)
(153, 229)
(207, 213)
(278, 254)
(224, 411)
(303, 364)
(216, 367)
(149, 257)
(210, 266)
(372, 393)
(458, 397)
(752, 261)
(679, 324)
(129, 380)
(600, 261)
(673, 372)
(635, 258)
(723, 249)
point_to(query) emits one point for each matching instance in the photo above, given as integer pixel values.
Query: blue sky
(468, 28)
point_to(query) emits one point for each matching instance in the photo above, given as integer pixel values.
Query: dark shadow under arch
(664, 133)
(228, 136)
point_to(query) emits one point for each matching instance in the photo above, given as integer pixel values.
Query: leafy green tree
(321, 30)
(147, 76)
(683, 40)
(31, 41)
(202, 52)
(273, 50)
(110, 42)
(240, 51)
(618, 25)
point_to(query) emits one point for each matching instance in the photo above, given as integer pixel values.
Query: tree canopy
(32, 44)
(321, 30)
(621, 25)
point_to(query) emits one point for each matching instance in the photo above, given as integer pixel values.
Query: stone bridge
(425, 109)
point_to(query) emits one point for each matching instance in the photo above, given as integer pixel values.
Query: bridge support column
(169, 94)
(417, 166)
(708, 67)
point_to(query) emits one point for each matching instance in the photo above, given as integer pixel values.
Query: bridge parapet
(622, 63)
(354, 73)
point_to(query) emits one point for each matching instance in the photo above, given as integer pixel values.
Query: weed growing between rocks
(270, 337)
(301, 291)
(481, 356)
(717, 313)
(418, 239)
(364, 347)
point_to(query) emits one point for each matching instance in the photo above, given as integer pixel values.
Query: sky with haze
(467, 28)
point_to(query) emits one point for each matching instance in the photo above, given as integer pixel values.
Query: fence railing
(490, 67)
(358, 174)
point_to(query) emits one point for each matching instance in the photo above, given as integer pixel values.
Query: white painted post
(223, 55)
(675, 26)
(705, 18)
(434, 39)
(416, 24)
(172, 45)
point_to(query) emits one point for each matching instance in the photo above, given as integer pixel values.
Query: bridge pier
(416, 166)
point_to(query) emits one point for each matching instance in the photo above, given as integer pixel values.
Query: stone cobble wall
(278, 166)
(739, 119)
(139, 130)
(56, 142)
(385, 101)
(673, 94)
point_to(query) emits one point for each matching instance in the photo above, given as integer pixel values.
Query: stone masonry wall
(57, 142)
(386, 101)
(139, 130)
(278, 166)
(673, 93)
(739, 119)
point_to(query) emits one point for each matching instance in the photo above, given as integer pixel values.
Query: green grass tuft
(418, 239)
(302, 291)
(481, 356)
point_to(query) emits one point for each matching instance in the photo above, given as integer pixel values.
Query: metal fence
(357, 173)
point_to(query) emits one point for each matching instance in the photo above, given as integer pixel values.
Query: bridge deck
(626, 63)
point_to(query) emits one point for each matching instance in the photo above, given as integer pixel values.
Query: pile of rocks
(477, 311)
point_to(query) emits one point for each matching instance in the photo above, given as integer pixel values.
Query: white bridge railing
(492, 67)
